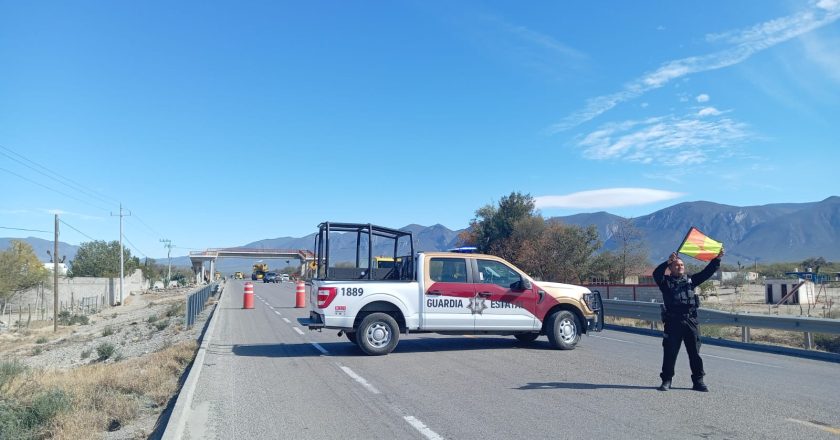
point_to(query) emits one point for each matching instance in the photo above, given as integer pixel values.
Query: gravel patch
(147, 323)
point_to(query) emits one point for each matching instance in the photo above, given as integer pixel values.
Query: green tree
(20, 270)
(566, 252)
(606, 267)
(491, 229)
(101, 259)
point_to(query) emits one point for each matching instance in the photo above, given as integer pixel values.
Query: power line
(21, 229)
(146, 225)
(80, 232)
(58, 177)
(53, 189)
(135, 247)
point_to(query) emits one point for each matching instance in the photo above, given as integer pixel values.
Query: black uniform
(680, 318)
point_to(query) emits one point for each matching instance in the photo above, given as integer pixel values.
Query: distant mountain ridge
(783, 232)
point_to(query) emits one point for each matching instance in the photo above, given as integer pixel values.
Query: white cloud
(671, 140)
(606, 198)
(644, 105)
(14, 211)
(743, 44)
(708, 111)
(702, 97)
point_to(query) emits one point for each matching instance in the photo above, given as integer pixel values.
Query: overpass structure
(198, 258)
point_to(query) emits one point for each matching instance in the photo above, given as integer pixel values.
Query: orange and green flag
(699, 246)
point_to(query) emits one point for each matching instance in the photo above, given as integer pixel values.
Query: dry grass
(104, 395)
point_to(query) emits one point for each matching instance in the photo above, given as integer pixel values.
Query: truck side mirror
(521, 285)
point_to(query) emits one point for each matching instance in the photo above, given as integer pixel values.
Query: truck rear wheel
(563, 330)
(351, 336)
(378, 334)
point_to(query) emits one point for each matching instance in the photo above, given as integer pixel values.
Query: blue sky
(220, 123)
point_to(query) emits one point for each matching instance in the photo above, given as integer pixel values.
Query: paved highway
(265, 377)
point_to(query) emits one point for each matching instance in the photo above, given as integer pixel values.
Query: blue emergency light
(465, 250)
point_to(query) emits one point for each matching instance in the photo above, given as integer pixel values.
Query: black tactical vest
(681, 297)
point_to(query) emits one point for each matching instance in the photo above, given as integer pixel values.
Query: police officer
(679, 313)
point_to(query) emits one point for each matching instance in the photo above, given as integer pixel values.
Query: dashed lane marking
(318, 346)
(823, 426)
(298, 330)
(287, 321)
(420, 426)
(359, 379)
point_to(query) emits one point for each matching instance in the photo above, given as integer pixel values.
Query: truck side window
(493, 272)
(448, 270)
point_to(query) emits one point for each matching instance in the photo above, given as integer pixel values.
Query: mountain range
(784, 232)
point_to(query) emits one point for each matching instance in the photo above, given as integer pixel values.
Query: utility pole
(122, 263)
(55, 277)
(168, 245)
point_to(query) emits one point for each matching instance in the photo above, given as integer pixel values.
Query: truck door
(505, 306)
(448, 295)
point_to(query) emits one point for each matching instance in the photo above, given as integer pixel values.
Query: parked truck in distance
(260, 270)
(440, 292)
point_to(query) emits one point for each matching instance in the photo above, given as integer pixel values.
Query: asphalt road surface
(265, 377)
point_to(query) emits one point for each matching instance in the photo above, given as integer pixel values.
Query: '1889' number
(352, 291)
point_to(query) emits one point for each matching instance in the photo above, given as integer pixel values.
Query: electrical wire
(21, 229)
(55, 176)
(134, 216)
(53, 189)
(135, 247)
(80, 232)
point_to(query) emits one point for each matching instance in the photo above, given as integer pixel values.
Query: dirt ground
(146, 324)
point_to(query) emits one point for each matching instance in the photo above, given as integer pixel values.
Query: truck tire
(563, 330)
(526, 337)
(378, 334)
(351, 336)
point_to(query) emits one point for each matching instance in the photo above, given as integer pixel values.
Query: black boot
(666, 384)
(699, 385)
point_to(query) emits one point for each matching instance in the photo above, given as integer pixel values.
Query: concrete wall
(104, 292)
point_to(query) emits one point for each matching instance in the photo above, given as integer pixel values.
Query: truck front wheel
(378, 334)
(563, 330)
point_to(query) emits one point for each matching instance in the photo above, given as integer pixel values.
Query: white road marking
(298, 330)
(420, 426)
(359, 379)
(738, 360)
(287, 321)
(703, 355)
(321, 349)
(826, 428)
(613, 339)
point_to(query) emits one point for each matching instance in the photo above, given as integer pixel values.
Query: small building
(776, 289)
(62, 268)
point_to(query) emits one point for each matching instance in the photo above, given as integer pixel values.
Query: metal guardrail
(197, 300)
(650, 311)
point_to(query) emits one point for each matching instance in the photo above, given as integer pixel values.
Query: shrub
(86, 353)
(107, 331)
(44, 407)
(9, 370)
(65, 318)
(105, 350)
(827, 342)
(177, 309)
(37, 350)
(41, 340)
(160, 325)
(152, 319)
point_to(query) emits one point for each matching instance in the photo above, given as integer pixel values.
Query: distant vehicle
(284, 277)
(259, 271)
(239, 275)
(270, 277)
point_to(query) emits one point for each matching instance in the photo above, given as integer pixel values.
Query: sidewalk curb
(178, 419)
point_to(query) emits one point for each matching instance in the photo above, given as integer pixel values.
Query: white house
(776, 289)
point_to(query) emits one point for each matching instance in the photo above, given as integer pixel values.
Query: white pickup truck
(441, 292)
